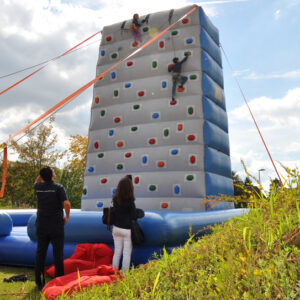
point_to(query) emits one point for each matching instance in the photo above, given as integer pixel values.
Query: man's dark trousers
(46, 234)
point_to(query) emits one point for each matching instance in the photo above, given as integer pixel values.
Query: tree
(72, 174)
(36, 152)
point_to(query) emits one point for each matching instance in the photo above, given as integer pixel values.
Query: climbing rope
(38, 121)
(246, 102)
(55, 58)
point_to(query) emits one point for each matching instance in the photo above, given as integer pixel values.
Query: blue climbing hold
(174, 152)
(176, 189)
(127, 85)
(155, 115)
(111, 132)
(113, 75)
(102, 52)
(91, 169)
(144, 159)
(99, 204)
(164, 84)
(189, 41)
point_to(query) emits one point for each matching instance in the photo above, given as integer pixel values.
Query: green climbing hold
(190, 110)
(145, 29)
(193, 77)
(84, 192)
(119, 166)
(102, 113)
(134, 128)
(166, 132)
(114, 55)
(152, 187)
(100, 155)
(189, 177)
(116, 93)
(136, 106)
(175, 32)
(154, 64)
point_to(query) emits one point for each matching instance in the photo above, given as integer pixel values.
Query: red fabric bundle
(86, 256)
(76, 281)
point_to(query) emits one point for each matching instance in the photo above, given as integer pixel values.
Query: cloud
(295, 74)
(277, 14)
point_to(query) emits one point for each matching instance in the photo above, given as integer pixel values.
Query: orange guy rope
(244, 97)
(4, 172)
(55, 58)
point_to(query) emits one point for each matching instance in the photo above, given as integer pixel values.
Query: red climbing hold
(179, 127)
(97, 99)
(181, 89)
(161, 164)
(164, 205)
(136, 180)
(192, 159)
(96, 145)
(141, 93)
(103, 180)
(185, 21)
(134, 44)
(173, 102)
(128, 154)
(120, 144)
(161, 44)
(108, 38)
(129, 63)
(152, 141)
(117, 120)
(191, 137)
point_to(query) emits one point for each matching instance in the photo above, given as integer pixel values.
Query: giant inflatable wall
(177, 151)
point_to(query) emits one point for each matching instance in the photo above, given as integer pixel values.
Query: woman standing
(125, 211)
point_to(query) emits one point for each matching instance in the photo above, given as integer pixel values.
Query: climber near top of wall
(176, 76)
(134, 28)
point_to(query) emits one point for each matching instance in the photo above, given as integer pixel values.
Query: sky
(261, 39)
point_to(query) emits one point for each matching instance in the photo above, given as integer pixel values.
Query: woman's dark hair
(175, 60)
(46, 173)
(124, 191)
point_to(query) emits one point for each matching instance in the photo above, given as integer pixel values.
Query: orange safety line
(4, 172)
(259, 132)
(55, 58)
(80, 90)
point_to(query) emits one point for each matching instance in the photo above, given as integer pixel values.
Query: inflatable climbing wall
(176, 150)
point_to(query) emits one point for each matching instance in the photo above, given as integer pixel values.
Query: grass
(255, 256)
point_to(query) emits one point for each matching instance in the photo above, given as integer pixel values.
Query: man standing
(50, 221)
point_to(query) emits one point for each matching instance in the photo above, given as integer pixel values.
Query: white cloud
(277, 14)
(295, 74)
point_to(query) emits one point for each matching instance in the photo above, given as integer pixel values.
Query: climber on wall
(134, 28)
(176, 76)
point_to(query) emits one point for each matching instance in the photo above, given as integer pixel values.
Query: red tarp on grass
(85, 257)
(76, 281)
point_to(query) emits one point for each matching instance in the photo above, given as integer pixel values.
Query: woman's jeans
(123, 245)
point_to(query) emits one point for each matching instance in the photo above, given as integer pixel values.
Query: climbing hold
(102, 113)
(164, 205)
(101, 155)
(192, 159)
(127, 85)
(154, 64)
(108, 38)
(128, 154)
(97, 100)
(174, 151)
(164, 84)
(136, 180)
(134, 128)
(152, 187)
(144, 159)
(189, 177)
(113, 75)
(91, 169)
(166, 132)
(116, 93)
(120, 144)
(117, 119)
(173, 102)
(190, 110)
(136, 106)
(189, 41)
(145, 29)
(176, 189)
(84, 191)
(129, 63)
(114, 191)
(96, 145)
(161, 44)
(120, 166)
(102, 52)
(185, 21)
(155, 115)
(134, 44)
(114, 55)
(174, 32)
(103, 180)
(111, 132)
(152, 141)
(141, 93)
(180, 89)
(193, 77)
(191, 137)
(179, 127)
(99, 204)
(161, 164)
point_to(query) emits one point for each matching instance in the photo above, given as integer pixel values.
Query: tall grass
(255, 256)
